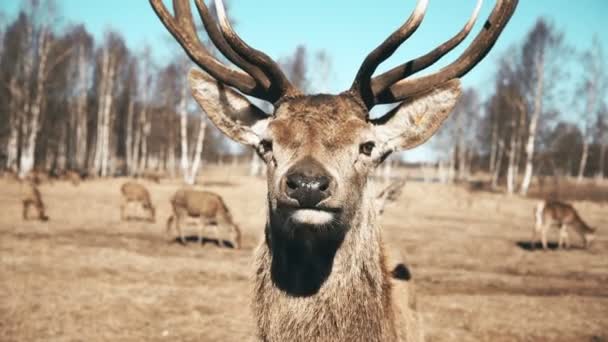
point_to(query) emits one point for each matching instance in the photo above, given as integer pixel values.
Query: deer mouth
(309, 215)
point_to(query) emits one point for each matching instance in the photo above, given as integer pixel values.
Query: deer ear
(229, 111)
(414, 122)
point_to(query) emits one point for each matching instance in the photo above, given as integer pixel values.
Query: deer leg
(560, 242)
(182, 238)
(543, 236)
(26, 206)
(566, 237)
(216, 230)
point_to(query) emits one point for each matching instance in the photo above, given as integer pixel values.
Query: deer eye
(367, 148)
(265, 146)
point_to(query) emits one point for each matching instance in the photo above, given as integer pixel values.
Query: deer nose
(308, 183)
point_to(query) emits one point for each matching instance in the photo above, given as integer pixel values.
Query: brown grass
(86, 276)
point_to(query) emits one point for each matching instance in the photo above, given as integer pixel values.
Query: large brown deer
(564, 216)
(320, 271)
(209, 209)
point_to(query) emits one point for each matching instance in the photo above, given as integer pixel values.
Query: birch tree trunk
(105, 60)
(28, 153)
(107, 119)
(129, 135)
(583, 163)
(512, 151)
(197, 154)
(81, 124)
(136, 146)
(493, 146)
(183, 123)
(538, 104)
(14, 124)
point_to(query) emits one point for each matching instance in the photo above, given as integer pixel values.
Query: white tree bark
(532, 128)
(583, 164)
(28, 152)
(14, 124)
(493, 146)
(197, 154)
(129, 134)
(183, 124)
(107, 119)
(80, 147)
(102, 89)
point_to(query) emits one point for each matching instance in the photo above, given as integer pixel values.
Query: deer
(135, 193)
(555, 213)
(389, 194)
(320, 270)
(209, 208)
(31, 197)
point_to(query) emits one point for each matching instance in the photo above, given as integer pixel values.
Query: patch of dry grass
(86, 276)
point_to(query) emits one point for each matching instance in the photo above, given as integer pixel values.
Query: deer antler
(262, 77)
(393, 85)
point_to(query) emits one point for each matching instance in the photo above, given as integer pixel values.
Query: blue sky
(347, 30)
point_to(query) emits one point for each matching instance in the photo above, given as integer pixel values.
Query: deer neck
(333, 289)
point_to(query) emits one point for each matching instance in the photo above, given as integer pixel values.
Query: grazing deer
(389, 194)
(320, 272)
(135, 193)
(209, 208)
(554, 213)
(31, 197)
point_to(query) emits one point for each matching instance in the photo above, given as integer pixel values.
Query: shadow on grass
(194, 239)
(537, 246)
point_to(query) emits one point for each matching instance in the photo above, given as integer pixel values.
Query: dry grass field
(86, 276)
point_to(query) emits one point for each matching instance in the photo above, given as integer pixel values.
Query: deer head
(319, 149)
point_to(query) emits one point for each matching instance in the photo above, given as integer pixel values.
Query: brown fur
(554, 213)
(135, 193)
(323, 276)
(31, 197)
(209, 208)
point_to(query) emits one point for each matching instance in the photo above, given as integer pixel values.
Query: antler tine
(280, 85)
(479, 48)
(183, 30)
(218, 40)
(362, 82)
(385, 80)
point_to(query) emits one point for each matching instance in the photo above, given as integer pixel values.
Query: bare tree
(539, 71)
(589, 93)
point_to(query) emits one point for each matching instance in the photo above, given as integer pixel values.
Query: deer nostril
(324, 185)
(291, 184)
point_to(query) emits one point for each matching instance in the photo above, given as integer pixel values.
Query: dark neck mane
(324, 289)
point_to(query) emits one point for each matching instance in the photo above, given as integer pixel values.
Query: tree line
(546, 114)
(68, 102)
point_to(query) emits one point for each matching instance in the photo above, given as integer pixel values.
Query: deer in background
(563, 215)
(31, 197)
(389, 194)
(320, 271)
(209, 208)
(135, 193)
